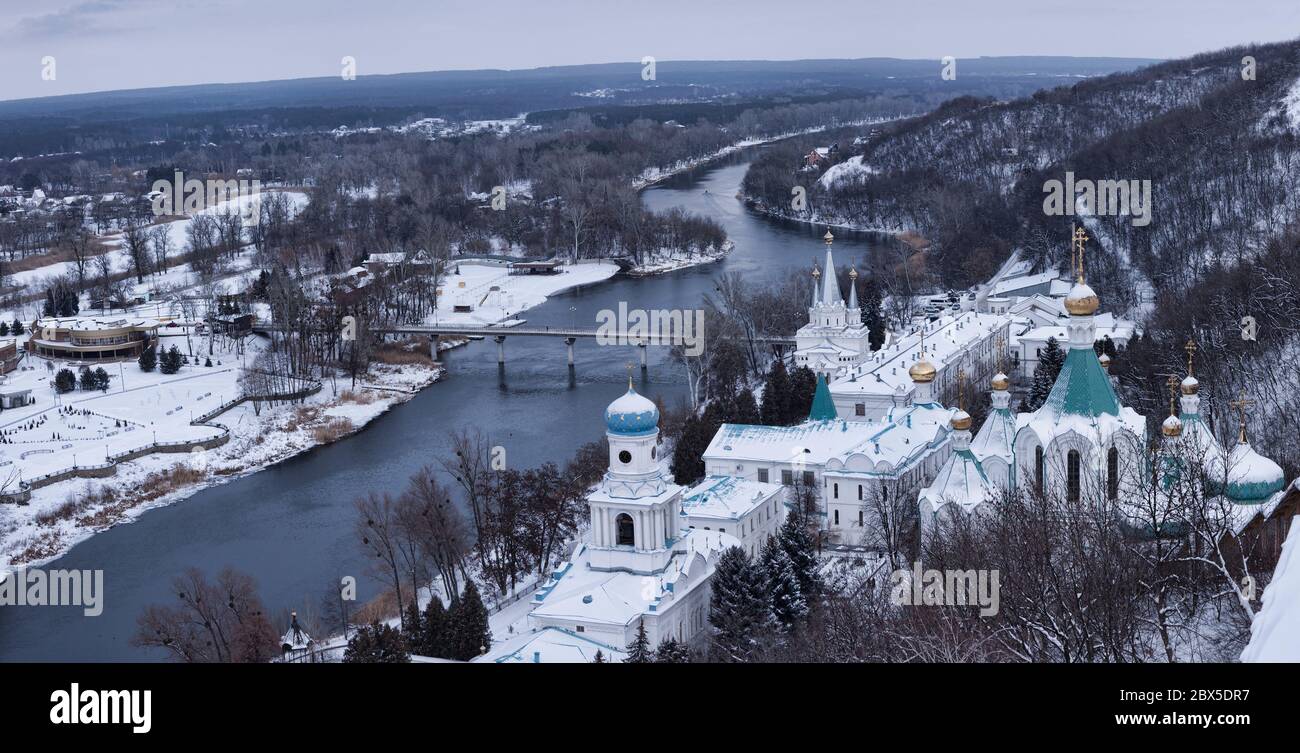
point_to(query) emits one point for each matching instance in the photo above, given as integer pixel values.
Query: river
(291, 525)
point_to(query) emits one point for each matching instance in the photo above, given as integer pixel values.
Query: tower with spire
(834, 340)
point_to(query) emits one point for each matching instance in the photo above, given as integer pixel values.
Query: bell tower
(635, 513)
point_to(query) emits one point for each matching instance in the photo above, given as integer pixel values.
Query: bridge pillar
(501, 348)
(568, 342)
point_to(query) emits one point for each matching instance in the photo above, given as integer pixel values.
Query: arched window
(1038, 469)
(626, 535)
(1072, 476)
(1112, 474)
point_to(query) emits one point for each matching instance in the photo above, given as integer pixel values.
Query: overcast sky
(123, 44)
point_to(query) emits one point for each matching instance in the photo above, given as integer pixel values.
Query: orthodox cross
(1080, 238)
(1190, 347)
(1240, 404)
(1173, 393)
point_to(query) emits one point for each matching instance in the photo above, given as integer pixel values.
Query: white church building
(834, 340)
(651, 550)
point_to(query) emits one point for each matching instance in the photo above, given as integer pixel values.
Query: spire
(816, 275)
(1190, 385)
(823, 407)
(1240, 404)
(830, 286)
(961, 419)
(1081, 300)
(853, 287)
(1172, 426)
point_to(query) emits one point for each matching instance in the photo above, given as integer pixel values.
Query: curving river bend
(290, 526)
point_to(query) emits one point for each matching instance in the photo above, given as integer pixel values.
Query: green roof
(823, 408)
(1082, 388)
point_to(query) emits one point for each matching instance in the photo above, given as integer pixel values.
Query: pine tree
(470, 635)
(17, 328)
(788, 603)
(148, 359)
(65, 381)
(744, 409)
(802, 553)
(739, 609)
(412, 630)
(434, 629)
(776, 395)
(1049, 366)
(599, 658)
(803, 385)
(376, 643)
(638, 649)
(688, 456)
(872, 315)
(86, 379)
(4, 329)
(101, 379)
(670, 651)
(171, 361)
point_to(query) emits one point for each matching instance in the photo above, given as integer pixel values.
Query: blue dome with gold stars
(631, 414)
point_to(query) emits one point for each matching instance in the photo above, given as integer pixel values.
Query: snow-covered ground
(62, 514)
(670, 261)
(493, 294)
(120, 260)
(652, 175)
(848, 171)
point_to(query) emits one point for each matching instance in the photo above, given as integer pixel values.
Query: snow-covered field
(493, 295)
(62, 514)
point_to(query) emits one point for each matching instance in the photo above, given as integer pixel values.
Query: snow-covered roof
(960, 481)
(867, 446)
(1025, 284)
(579, 594)
(551, 645)
(996, 436)
(95, 323)
(1275, 630)
(946, 339)
(1120, 330)
(727, 497)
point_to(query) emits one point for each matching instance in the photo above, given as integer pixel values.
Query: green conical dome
(823, 408)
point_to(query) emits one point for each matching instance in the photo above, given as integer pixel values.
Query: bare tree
(214, 622)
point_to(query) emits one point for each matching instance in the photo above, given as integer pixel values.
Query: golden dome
(960, 420)
(1081, 301)
(1105, 361)
(1172, 427)
(1190, 385)
(816, 272)
(922, 371)
(1000, 382)
(853, 273)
